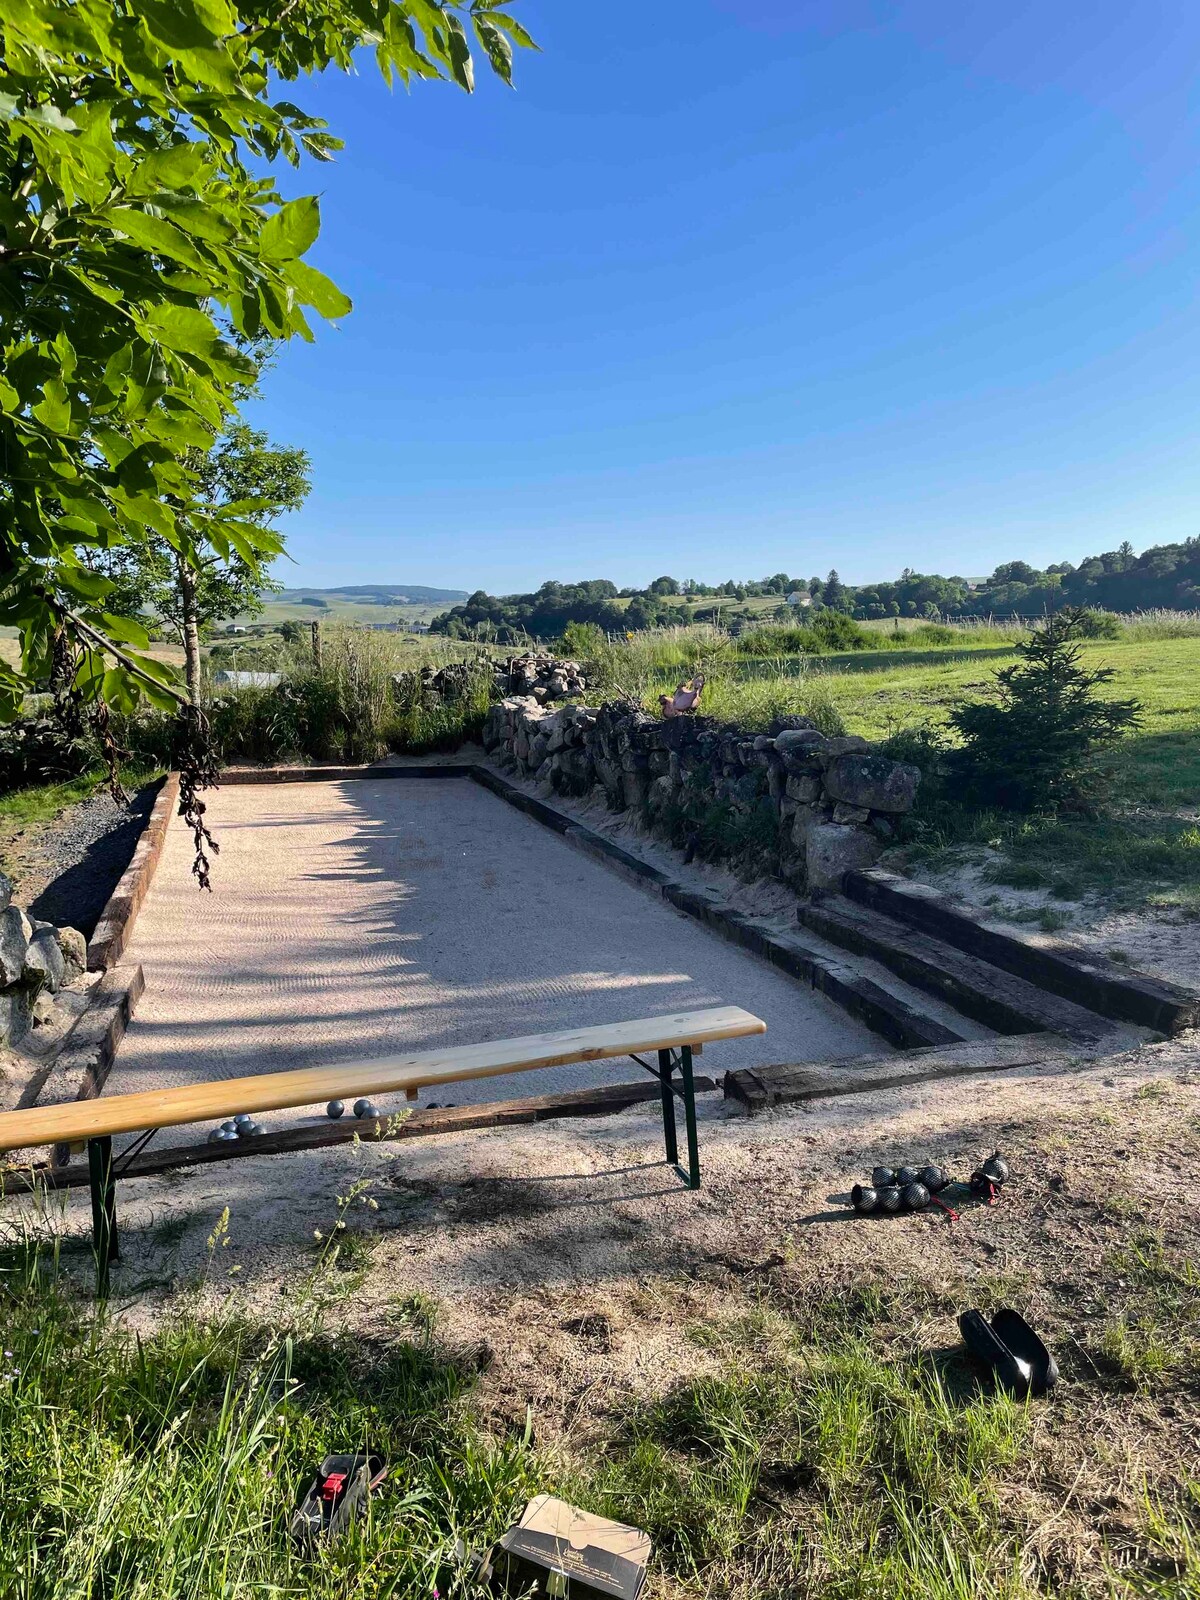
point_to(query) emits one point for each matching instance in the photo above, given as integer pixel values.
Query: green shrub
(780, 639)
(1033, 747)
(1093, 624)
(826, 632)
(837, 631)
(582, 640)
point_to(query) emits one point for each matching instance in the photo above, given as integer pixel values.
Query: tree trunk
(190, 614)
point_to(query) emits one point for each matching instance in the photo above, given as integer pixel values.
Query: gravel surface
(65, 870)
(356, 919)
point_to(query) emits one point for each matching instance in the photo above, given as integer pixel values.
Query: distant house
(246, 680)
(799, 598)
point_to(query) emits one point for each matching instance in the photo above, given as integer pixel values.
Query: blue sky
(726, 287)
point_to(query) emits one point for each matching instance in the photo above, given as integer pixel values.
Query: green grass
(167, 1466)
(826, 1447)
(346, 610)
(39, 804)
(1153, 1339)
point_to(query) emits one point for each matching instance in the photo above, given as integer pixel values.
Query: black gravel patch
(79, 858)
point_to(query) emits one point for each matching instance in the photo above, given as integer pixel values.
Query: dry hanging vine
(197, 759)
(70, 714)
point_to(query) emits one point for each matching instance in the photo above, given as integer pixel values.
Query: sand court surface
(355, 919)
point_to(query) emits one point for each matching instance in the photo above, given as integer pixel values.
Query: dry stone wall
(809, 807)
(36, 961)
(542, 677)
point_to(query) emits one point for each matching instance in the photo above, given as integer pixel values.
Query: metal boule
(334, 1109)
(995, 1168)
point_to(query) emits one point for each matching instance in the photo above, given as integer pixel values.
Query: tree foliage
(243, 466)
(1033, 747)
(143, 246)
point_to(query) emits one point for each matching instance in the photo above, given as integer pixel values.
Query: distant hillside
(373, 594)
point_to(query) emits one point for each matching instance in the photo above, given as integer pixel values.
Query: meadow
(1140, 846)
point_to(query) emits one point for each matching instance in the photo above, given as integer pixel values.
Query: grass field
(338, 609)
(1143, 846)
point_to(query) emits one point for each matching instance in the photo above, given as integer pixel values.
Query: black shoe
(985, 1344)
(1015, 1332)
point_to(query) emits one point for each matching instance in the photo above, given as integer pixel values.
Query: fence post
(316, 644)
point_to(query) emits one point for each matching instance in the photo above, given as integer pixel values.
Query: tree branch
(128, 662)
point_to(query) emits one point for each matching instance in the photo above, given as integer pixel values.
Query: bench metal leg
(692, 1176)
(665, 1064)
(104, 1209)
(687, 1093)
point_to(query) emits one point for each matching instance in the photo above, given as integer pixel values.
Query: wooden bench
(675, 1039)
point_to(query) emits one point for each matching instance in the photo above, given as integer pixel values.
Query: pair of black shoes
(1008, 1345)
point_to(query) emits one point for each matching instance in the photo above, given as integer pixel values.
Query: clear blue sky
(726, 287)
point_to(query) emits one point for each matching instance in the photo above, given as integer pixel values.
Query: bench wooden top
(270, 1091)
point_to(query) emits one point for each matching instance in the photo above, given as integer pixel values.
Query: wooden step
(998, 999)
(760, 1088)
(1103, 986)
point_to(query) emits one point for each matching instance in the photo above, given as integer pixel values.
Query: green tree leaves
(292, 230)
(142, 252)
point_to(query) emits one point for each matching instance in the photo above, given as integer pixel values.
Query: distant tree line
(547, 613)
(1164, 576)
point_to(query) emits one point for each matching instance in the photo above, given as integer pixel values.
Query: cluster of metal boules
(892, 1190)
(243, 1126)
(897, 1189)
(361, 1108)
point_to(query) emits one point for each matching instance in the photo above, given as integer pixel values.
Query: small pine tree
(1033, 748)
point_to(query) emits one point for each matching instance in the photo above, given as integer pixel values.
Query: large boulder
(15, 930)
(44, 964)
(872, 782)
(831, 849)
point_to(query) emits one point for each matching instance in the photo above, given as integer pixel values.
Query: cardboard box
(559, 1551)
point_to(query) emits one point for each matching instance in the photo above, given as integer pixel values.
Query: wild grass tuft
(167, 1466)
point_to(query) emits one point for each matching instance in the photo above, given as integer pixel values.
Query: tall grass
(1146, 626)
(166, 1467)
(344, 708)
